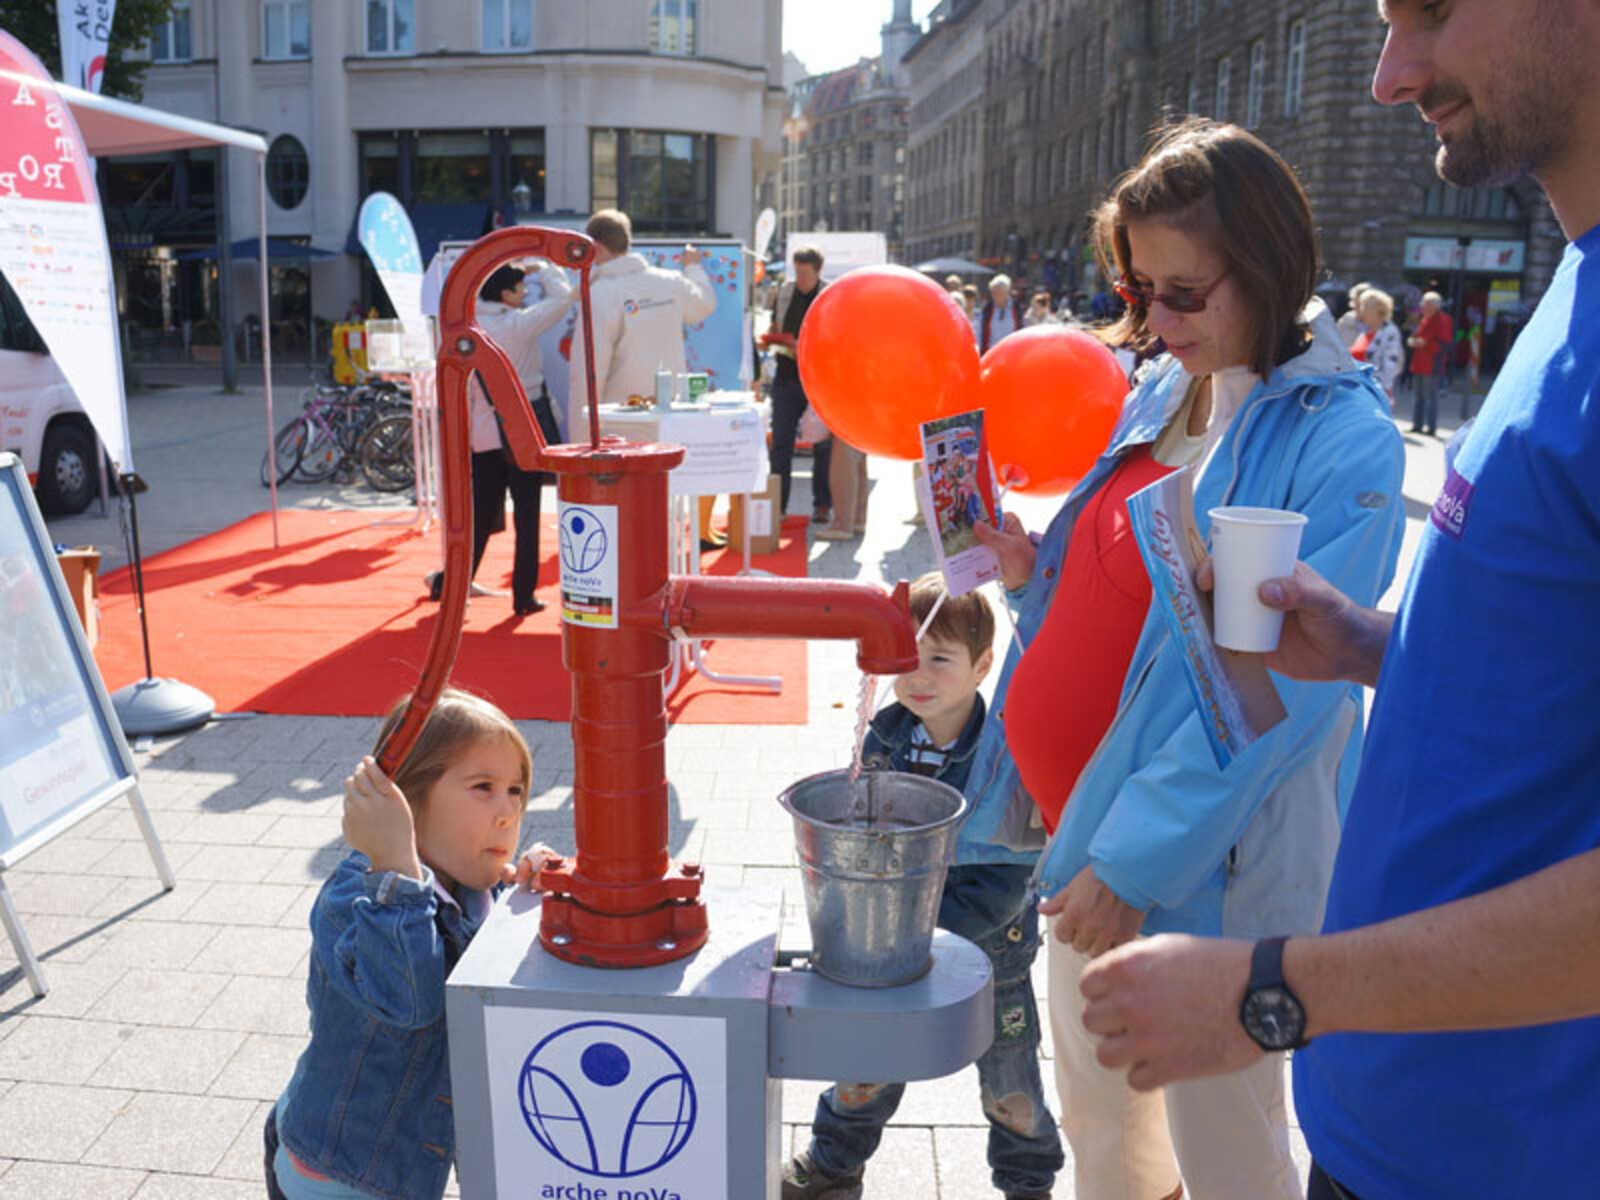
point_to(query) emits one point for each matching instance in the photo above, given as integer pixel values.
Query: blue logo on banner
(386, 234)
(607, 1099)
(583, 541)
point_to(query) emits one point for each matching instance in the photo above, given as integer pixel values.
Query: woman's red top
(1065, 688)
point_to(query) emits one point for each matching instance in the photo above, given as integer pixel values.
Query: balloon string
(1005, 611)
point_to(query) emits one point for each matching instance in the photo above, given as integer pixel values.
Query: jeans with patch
(981, 903)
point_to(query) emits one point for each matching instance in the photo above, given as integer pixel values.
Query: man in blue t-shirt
(1451, 1004)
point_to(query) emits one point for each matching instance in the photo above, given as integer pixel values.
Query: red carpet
(336, 622)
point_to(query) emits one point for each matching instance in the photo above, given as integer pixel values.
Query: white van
(40, 417)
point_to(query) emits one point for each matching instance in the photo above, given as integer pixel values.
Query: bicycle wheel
(386, 454)
(288, 446)
(322, 456)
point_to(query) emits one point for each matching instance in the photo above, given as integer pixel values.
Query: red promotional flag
(53, 241)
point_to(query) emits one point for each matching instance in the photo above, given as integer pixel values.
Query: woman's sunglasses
(1178, 302)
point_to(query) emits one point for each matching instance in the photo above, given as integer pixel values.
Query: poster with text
(956, 490)
(53, 242)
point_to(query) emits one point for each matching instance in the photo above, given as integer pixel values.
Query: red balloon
(1051, 397)
(883, 350)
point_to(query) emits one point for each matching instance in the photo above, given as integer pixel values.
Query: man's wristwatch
(1271, 1014)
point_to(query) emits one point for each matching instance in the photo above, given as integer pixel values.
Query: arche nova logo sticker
(612, 1107)
(588, 538)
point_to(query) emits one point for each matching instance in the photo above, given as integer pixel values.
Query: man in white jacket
(515, 330)
(639, 314)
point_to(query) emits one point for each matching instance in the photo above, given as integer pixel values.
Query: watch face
(1273, 1018)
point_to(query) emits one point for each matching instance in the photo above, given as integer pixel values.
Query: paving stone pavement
(174, 1019)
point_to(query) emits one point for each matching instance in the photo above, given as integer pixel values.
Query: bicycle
(324, 439)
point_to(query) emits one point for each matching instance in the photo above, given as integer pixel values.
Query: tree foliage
(34, 24)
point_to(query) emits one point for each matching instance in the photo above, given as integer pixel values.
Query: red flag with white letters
(53, 248)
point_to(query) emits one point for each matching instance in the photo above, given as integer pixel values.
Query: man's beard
(1532, 106)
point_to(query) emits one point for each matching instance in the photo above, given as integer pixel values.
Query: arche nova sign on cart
(62, 753)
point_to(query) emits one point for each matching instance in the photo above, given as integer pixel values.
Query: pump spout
(731, 607)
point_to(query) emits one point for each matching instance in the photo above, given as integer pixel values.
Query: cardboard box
(766, 518)
(80, 567)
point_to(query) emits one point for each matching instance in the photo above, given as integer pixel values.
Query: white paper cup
(1248, 547)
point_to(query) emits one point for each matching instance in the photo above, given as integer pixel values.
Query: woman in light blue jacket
(1212, 240)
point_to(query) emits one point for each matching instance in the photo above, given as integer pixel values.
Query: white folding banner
(391, 243)
(85, 30)
(53, 241)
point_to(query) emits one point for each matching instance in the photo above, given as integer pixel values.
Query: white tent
(111, 127)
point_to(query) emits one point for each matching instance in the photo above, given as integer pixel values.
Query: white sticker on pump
(588, 534)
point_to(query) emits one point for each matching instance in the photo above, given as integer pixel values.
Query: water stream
(863, 717)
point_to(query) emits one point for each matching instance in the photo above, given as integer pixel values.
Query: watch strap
(1266, 964)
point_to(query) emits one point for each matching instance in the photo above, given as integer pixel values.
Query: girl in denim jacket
(368, 1111)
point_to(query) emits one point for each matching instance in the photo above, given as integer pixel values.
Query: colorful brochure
(956, 489)
(1232, 689)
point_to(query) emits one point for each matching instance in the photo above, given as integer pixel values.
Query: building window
(502, 169)
(285, 29)
(453, 168)
(864, 189)
(526, 174)
(1294, 69)
(663, 181)
(288, 171)
(170, 40)
(1224, 87)
(864, 154)
(1258, 82)
(380, 164)
(390, 27)
(673, 28)
(508, 24)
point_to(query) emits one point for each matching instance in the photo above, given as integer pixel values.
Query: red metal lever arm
(463, 349)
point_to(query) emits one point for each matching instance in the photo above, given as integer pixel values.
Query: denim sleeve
(1173, 821)
(378, 945)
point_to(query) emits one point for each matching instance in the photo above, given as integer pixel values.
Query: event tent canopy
(951, 266)
(112, 127)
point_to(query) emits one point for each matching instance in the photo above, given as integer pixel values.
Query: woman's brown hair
(1224, 184)
(458, 720)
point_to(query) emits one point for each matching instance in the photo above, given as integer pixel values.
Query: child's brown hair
(967, 620)
(458, 720)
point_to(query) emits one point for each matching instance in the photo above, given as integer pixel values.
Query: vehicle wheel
(386, 454)
(322, 456)
(290, 444)
(68, 479)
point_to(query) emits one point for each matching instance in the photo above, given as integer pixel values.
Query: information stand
(62, 753)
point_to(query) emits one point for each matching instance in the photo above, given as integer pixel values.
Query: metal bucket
(873, 857)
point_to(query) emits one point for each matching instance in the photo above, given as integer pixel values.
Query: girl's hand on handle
(533, 860)
(1014, 547)
(378, 821)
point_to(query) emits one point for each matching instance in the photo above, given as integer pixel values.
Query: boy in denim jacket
(933, 730)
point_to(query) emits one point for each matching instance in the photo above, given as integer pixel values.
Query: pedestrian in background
(789, 401)
(1350, 319)
(1430, 348)
(1000, 316)
(1379, 340)
(1038, 311)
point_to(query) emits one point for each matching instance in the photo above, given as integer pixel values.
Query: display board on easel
(62, 753)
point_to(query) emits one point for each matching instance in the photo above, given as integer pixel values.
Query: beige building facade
(472, 113)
